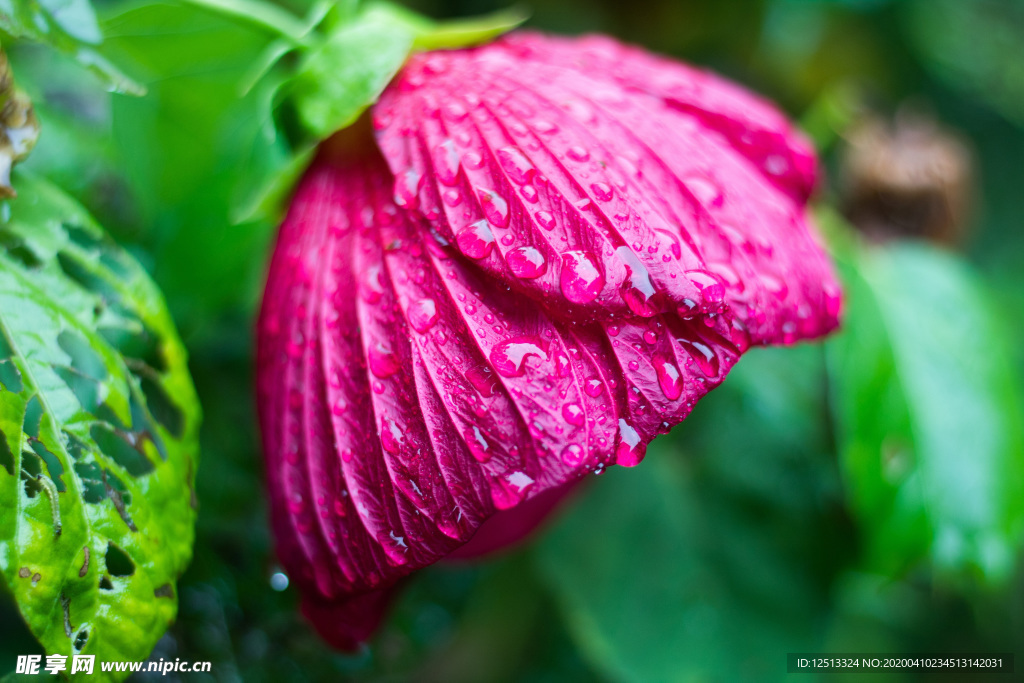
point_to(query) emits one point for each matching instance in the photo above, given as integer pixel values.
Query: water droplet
(705, 356)
(740, 336)
(475, 240)
(593, 387)
(602, 191)
(775, 164)
(446, 162)
(279, 581)
(495, 207)
(833, 300)
(455, 111)
(407, 188)
(631, 449)
(776, 286)
(705, 190)
(573, 455)
(452, 197)
(651, 337)
(383, 363)
(509, 357)
(581, 281)
(373, 288)
(391, 435)
(545, 127)
(473, 160)
(478, 446)
(529, 193)
(581, 111)
(637, 290)
(526, 262)
(669, 378)
(573, 414)
(422, 314)
(519, 168)
(633, 365)
(546, 220)
(709, 285)
(520, 480)
(577, 153)
(483, 380)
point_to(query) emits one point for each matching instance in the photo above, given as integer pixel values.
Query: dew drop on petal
(631, 449)
(423, 314)
(669, 378)
(573, 414)
(509, 357)
(373, 288)
(833, 300)
(546, 220)
(483, 380)
(526, 262)
(407, 188)
(776, 286)
(705, 190)
(593, 387)
(740, 336)
(495, 207)
(519, 169)
(391, 436)
(602, 191)
(475, 240)
(573, 455)
(578, 153)
(452, 197)
(703, 354)
(478, 446)
(710, 287)
(637, 290)
(383, 363)
(520, 480)
(581, 281)
(545, 127)
(446, 162)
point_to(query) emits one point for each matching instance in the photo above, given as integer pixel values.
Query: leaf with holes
(98, 434)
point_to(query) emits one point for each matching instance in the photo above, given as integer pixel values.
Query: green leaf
(69, 26)
(713, 557)
(98, 434)
(345, 74)
(342, 70)
(927, 410)
(946, 33)
(453, 33)
(264, 15)
(185, 151)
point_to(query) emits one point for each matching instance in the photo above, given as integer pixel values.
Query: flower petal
(601, 181)
(404, 398)
(565, 245)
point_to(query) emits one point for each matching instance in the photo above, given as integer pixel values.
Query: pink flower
(560, 246)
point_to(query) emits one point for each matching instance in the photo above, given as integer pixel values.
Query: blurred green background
(864, 495)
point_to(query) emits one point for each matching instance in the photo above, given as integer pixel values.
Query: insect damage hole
(117, 561)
